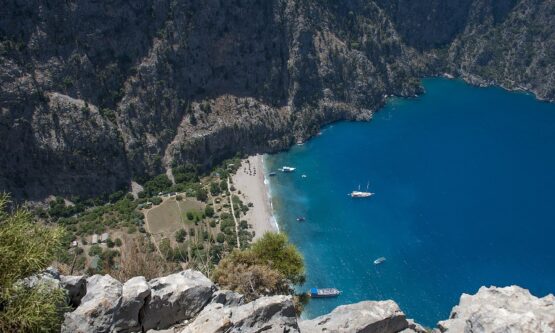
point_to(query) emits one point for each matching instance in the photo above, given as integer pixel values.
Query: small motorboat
(300, 218)
(303, 176)
(271, 174)
(287, 169)
(379, 260)
(325, 292)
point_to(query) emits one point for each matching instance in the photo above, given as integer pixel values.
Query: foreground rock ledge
(188, 302)
(510, 309)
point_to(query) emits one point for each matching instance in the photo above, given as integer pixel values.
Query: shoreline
(254, 189)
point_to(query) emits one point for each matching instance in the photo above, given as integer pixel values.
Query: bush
(110, 243)
(180, 235)
(117, 242)
(95, 250)
(209, 211)
(156, 200)
(179, 197)
(213, 223)
(27, 248)
(220, 237)
(202, 195)
(190, 216)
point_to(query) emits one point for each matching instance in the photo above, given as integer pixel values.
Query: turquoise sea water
(465, 196)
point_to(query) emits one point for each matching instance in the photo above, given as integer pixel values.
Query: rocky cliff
(95, 93)
(187, 302)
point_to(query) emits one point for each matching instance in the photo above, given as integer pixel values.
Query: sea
(464, 183)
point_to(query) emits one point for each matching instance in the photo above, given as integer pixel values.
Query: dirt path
(233, 213)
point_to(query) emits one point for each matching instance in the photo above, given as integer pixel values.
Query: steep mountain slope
(95, 93)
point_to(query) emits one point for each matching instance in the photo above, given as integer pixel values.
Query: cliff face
(95, 93)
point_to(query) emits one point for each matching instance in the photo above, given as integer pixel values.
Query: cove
(464, 182)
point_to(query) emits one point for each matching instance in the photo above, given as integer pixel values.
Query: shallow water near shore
(465, 196)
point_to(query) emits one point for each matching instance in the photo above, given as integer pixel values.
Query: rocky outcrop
(510, 309)
(266, 314)
(98, 308)
(175, 298)
(135, 293)
(363, 317)
(93, 94)
(187, 302)
(76, 287)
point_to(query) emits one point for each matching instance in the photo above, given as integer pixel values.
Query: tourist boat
(287, 169)
(271, 174)
(303, 176)
(325, 292)
(300, 218)
(361, 194)
(379, 260)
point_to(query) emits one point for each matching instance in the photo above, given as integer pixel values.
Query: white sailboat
(361, 194)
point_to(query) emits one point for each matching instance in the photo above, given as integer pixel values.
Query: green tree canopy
(268, 267)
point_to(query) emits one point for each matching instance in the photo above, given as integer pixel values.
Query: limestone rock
(266, 314)
(501, 310)
(98, 307)
(134, 295)
(175, 298)
(76, 287)
(363, 317)
(228, 297)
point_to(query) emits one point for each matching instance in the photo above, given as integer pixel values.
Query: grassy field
(169, 216)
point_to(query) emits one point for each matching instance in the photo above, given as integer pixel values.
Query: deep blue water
(465, 196)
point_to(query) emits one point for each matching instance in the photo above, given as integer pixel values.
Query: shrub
(27, 248)
(201, 195)
(117, 242)
(220, 237)
(209, 211)
(190, 216)
(110, 243)
(180, 235)
(95, 250)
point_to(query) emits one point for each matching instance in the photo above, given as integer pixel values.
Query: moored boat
(324, 292)
(301, 218)
(271, 174)
(379, 260)
(287, 169)
(361, 194)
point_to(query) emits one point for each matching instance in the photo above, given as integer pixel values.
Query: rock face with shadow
(96, 93)
(188, 302)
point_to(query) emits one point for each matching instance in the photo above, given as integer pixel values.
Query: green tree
(27, 248)
(275, 251)
(267, 268)
(209, 211)
(201, 194)
(220, 237)
(215, 188)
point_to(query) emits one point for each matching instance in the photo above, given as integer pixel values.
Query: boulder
(134, 295)
(363, 317)
(175, 298)
(501, 310)
(76, 287)
(267, 314)
(98, 307)
(228, 297)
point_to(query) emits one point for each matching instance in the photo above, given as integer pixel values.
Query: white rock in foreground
(270, 314)
(175, 298)
(98, 307)
(501, 310)
(363, 317)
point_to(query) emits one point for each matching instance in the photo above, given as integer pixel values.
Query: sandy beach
(254, 190)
